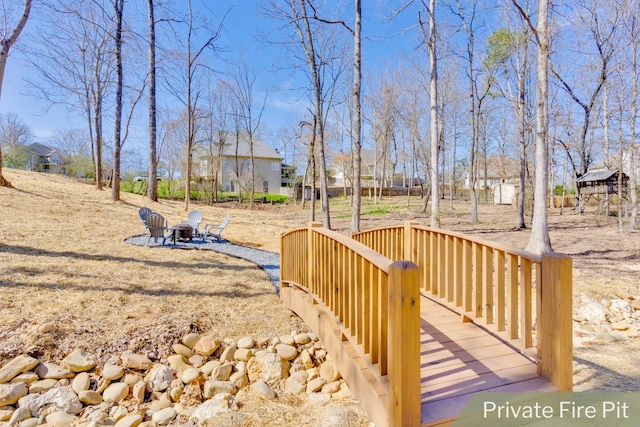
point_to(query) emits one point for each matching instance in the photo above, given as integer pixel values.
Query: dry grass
(68, 280)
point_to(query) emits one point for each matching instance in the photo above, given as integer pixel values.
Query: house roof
(41, 150)
(260, 149)
(597, 175)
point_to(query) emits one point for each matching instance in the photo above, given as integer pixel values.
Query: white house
(500, 170)
(228, 157)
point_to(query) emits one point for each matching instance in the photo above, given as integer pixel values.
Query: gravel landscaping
(268, 261)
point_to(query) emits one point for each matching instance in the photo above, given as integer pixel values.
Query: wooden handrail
(373, 301)
(493, 285)
(365, 308)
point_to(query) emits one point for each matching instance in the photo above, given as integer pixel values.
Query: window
(275, 166)
(225, 165)
(265, 186)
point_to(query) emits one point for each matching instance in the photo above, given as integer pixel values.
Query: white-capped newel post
(404, 345)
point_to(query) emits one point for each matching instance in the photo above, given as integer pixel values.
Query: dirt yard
(65, 268)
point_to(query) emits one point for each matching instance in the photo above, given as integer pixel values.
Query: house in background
(44, 159)
(228, 158)
(500, 170)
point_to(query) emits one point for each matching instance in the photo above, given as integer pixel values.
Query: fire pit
(181, 232)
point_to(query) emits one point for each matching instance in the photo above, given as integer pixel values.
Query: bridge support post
(555, 329)
(404, 348)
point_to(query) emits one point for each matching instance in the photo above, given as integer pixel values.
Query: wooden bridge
(415, 338)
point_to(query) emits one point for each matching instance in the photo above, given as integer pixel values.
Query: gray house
(228, 158)
(44, 159)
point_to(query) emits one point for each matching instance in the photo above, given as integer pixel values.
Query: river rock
(160, 377)
(178, 363)
(89, 397)
(42, 385)
(20, 414)
(81, 382)
(214, 387)
(329, 371)
(60, 419)
(26, 377)
(62, 398)
(268, 367)
(239, 379)
(164, 416)
(246, 342)
(190, 375)
(135, 361)
(208, 367)
(621, 309)
(302, 338)
(228, 354)
(131, 420)
(112, 372)
(6, 412)
(207, 344)
(219, 404)
(78, 361)
(286, 351)
(11, 393)
(51, 370)
(222, 372)
(592, 310)
(243, 354)
(315, 385)
(138, 391)
(190, 340)
(183, 350)
(264, 389)
(17, 365)
(115, 392)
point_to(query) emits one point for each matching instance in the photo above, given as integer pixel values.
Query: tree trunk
(357, 120)
(117, 140)
(539, 241)
(522, 143)
(5, 45)
(153, 136)
(434, 134)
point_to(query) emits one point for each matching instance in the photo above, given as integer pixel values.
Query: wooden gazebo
(601, 182)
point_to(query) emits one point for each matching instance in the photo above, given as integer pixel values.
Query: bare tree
(187, 86)
(250, 113)
(9, 37)
(118, 7)
(510, 50)
(602, 25)
(539, 241)
(14, 136)
(356, 119)
(632, 29)
(73, 61)
(153, 130)
(430, 37)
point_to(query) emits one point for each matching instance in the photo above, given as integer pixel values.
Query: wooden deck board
(458, 359)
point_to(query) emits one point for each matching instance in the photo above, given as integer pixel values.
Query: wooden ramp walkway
(458, 359)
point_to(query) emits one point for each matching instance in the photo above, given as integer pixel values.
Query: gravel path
(268, 261)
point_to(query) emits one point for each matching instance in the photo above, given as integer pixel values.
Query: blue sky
(383, 42)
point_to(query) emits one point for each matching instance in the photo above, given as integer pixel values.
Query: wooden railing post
(409, 246)
(404, 345)
(555, 333)
(312, 260)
